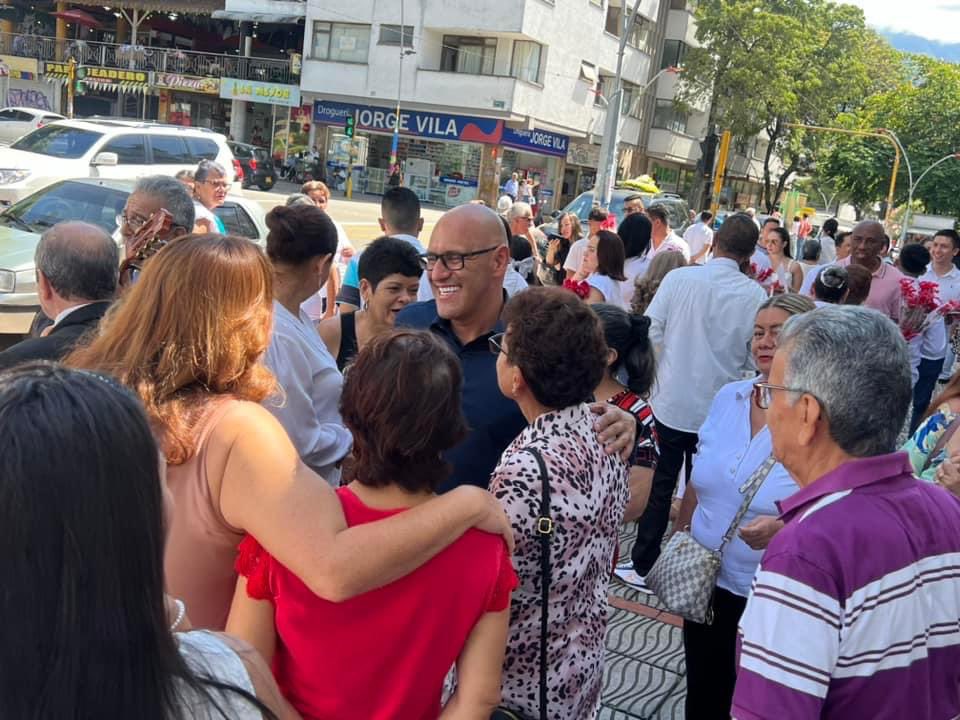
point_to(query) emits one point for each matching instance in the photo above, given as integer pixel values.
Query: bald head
(476, 226)
(468, 257)
(867, 241)
(79, 260)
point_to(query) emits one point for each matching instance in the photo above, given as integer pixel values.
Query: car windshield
(58, 141)
(68, 200)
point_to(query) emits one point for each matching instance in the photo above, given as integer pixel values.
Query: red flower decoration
(580, 289)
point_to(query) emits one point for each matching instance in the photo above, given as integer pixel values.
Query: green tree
(770, 65)
(922, 110)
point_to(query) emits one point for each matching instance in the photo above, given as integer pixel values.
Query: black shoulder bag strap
(545, 533)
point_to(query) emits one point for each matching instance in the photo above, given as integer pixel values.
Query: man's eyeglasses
(455, 261)
(495, 342)
(134, 223)
(763, 393)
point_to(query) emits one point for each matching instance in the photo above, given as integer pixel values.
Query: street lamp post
(395, 143)
(913, 186)
(611, 136)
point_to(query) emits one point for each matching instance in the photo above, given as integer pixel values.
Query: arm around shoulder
(295, 515)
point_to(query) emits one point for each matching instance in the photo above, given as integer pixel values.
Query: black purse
(544, 530)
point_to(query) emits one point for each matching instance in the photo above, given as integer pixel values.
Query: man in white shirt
(699, 237)
(936, 362)
(661, 236)
(701, 321)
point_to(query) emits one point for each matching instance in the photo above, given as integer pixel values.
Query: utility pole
(395, 143)
(607, 170)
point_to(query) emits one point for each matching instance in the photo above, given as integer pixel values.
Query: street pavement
(358, 216)
(644, 673)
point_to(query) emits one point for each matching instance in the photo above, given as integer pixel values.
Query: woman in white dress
(94, 635)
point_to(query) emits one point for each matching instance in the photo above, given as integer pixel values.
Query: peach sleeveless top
(201, 545)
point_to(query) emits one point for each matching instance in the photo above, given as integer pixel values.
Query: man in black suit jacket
(77, 267)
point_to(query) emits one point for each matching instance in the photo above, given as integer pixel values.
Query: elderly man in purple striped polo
(855, 608)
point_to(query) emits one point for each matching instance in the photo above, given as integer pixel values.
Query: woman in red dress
(384, 655)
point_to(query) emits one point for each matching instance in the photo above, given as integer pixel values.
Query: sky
(932, 19)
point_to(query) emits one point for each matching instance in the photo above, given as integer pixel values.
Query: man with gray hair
(77, 266)
(854, 608)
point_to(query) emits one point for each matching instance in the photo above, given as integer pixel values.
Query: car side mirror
(105, 158)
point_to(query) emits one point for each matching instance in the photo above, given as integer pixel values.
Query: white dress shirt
(310, 385)
(701, 321)
(575, 255)
(698, 236)
(671, 243)
(726, 458)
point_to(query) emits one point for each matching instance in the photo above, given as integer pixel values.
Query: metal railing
(147, 58)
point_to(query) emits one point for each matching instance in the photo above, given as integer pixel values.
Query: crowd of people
(308, 482)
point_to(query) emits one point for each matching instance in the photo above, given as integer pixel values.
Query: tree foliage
(769, 64)
(922, 110)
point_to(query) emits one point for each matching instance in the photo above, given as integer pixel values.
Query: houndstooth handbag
(685, 575)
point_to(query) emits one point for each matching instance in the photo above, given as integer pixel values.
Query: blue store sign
(440, 126)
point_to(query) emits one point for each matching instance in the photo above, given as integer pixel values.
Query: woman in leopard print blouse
(550, 360)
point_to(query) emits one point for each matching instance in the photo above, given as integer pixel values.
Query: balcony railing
(145, 57)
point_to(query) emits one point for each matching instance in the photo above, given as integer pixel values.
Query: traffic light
(708, 154)
(350, 126)
(79, 87)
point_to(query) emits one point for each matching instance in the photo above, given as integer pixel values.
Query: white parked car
(94, 201)
(18, 121)
(108, 149)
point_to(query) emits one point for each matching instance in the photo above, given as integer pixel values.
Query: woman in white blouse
(602, 267)
(733, 442)
(302, 243)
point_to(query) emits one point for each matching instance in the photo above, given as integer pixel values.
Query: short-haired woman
(189, 339)
(550, 360)
(83, 520)
(301, 244)
(734, 443)
(210, 189)
(389, 270)
(385, 654)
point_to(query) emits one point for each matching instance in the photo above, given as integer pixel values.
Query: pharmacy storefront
(441, 154)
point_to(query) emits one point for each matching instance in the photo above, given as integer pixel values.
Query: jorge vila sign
(261, 92)
(440, 126)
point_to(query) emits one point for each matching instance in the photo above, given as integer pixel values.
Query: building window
(674, 52)
(600, 98)
(390, 35)
(525, 64)
(631, 100)
(667, 117)
(340, 42)
(588, 73)
(467, 54)
(678, 4)
(636, 36)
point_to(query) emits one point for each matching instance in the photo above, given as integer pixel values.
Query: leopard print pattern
(588, 495)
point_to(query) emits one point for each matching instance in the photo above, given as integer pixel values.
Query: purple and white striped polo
(855, 609)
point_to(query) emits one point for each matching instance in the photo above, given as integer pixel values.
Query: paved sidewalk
(644, 673)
